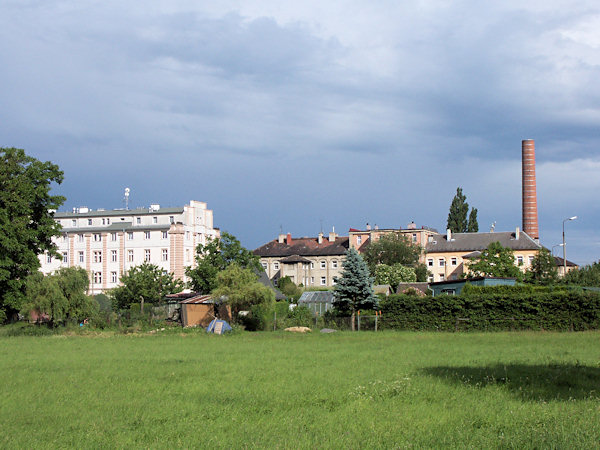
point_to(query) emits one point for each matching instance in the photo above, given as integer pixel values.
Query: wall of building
(318, 273)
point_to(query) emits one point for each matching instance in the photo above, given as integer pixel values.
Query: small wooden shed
(200, 311)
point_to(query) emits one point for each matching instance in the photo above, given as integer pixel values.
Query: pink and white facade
(107, 243)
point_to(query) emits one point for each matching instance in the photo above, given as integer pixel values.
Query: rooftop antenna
(493, 227)
(126, 198)
(280, 229)
(321, 220)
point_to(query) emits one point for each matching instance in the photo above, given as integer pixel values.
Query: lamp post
(564, 246)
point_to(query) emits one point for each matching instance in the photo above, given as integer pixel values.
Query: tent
(218, 326)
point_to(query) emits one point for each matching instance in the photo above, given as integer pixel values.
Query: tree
(289, 288)
(457, 216)
(394, 275)
(146, 283)
(61, 296)
(26, 222)
(240, 288)
(354, 290)
(390, 249)
(495, 261)
(584, 276)
(215, 257)
(543, 269)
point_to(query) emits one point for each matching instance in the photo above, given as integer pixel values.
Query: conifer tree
(457, 216)
(354, 290)
(473, 226)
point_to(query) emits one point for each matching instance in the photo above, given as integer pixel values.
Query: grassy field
(275, 390)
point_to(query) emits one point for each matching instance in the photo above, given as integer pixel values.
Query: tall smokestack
(530, 212)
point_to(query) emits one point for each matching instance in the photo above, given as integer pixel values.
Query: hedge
(501, 308)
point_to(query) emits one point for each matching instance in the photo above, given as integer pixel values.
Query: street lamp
(554, 246)
(564, 246)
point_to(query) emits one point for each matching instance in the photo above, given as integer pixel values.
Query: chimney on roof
(376, 227)
(530, 212)
(412, 226)
(517, 233)
(368, 227)
(289, 239)
(448, 234)
(320, 238)
(281, 238)
(332, 235)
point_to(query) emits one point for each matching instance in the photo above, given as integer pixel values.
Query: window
(323, 265)
(531, 257)
(171, 219)
(334, 264)
(97, 256)
(187, 255)
(80, 257)
(264, 265)
(442, 277)
(113, 277)
(97, 277)
(103, 221)
(187, 235)
(146, 235)
(312, 265)
(430, 278)
(97, 237)
(74, 222)
(147, 255)
(138, 220)
(414, 238)
(49, 258)
(164, 234)
(130, 235)
(441, 262)
(65, 257)
(312, 280)
(430, 262)
(130, 255)
(108, 221)
(275, 266)
(113, 237)
(323, 281)
(165, 254)
(113, 256)
(358, 240)
(519, 260)
(453, 261)
(155, 219)
(89, 221)
(80, 237)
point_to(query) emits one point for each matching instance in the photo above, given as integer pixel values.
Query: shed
(200, 311)
(454, 287)
(317, 301)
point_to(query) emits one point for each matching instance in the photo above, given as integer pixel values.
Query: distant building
(107, 243)
(454, 287)
(360, 239)
(311, 261)
(560, 266)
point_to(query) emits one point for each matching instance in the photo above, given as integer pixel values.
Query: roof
(120, 212)
(263, 279)
(294, 259)
(316, 297)
(305, 246)
(469, 242)
(419, 286)
(560, 262)
(197, 300)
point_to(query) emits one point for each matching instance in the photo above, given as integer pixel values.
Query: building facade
(107, 243)
(310, 261)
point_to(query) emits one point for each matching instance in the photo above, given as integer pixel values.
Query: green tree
(543, 269)
(240, 288)
(395, 274)
(215, 257)
(61, 296)
(495, 261)
(146, 283)
(26, 222)
(289, 288)
(354, 289)
(473, 226)
(584, 276)
(457, 216)
(390, 249)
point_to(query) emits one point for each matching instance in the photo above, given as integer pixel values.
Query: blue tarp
(218, 326)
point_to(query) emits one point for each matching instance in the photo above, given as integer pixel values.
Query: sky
(302, 116)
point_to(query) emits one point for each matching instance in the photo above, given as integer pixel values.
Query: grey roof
(263, 279)
(119, 212)
(294, 259)
(560, 262)
(469, 242)
(305, 246)
(316, 297)
(419, 286)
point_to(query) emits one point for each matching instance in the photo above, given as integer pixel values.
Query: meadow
(278, 390)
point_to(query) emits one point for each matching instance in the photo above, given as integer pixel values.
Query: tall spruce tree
(354, 290)
(457, 216)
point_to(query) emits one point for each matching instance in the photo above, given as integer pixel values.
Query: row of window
(106, 221)
(322, 265)
(114, 277)
(453, 261)
(97, 237)
(311, 281)
(97, 256)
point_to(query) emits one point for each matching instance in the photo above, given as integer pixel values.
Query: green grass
(276, 390)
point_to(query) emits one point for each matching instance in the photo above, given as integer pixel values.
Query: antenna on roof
(493, 227)
(126, 198)
(280, 229)
(321, 220)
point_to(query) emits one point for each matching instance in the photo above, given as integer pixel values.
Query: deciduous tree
(495, 261)
(543, 269)
(216, 256)
(26, 222)
(354, 289)
(390, 249)
(395, 274)
(239, 287)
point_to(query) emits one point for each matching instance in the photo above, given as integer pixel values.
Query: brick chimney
(289, 239)
(530, 212)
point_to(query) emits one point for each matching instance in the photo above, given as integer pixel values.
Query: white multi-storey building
(107, 243)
